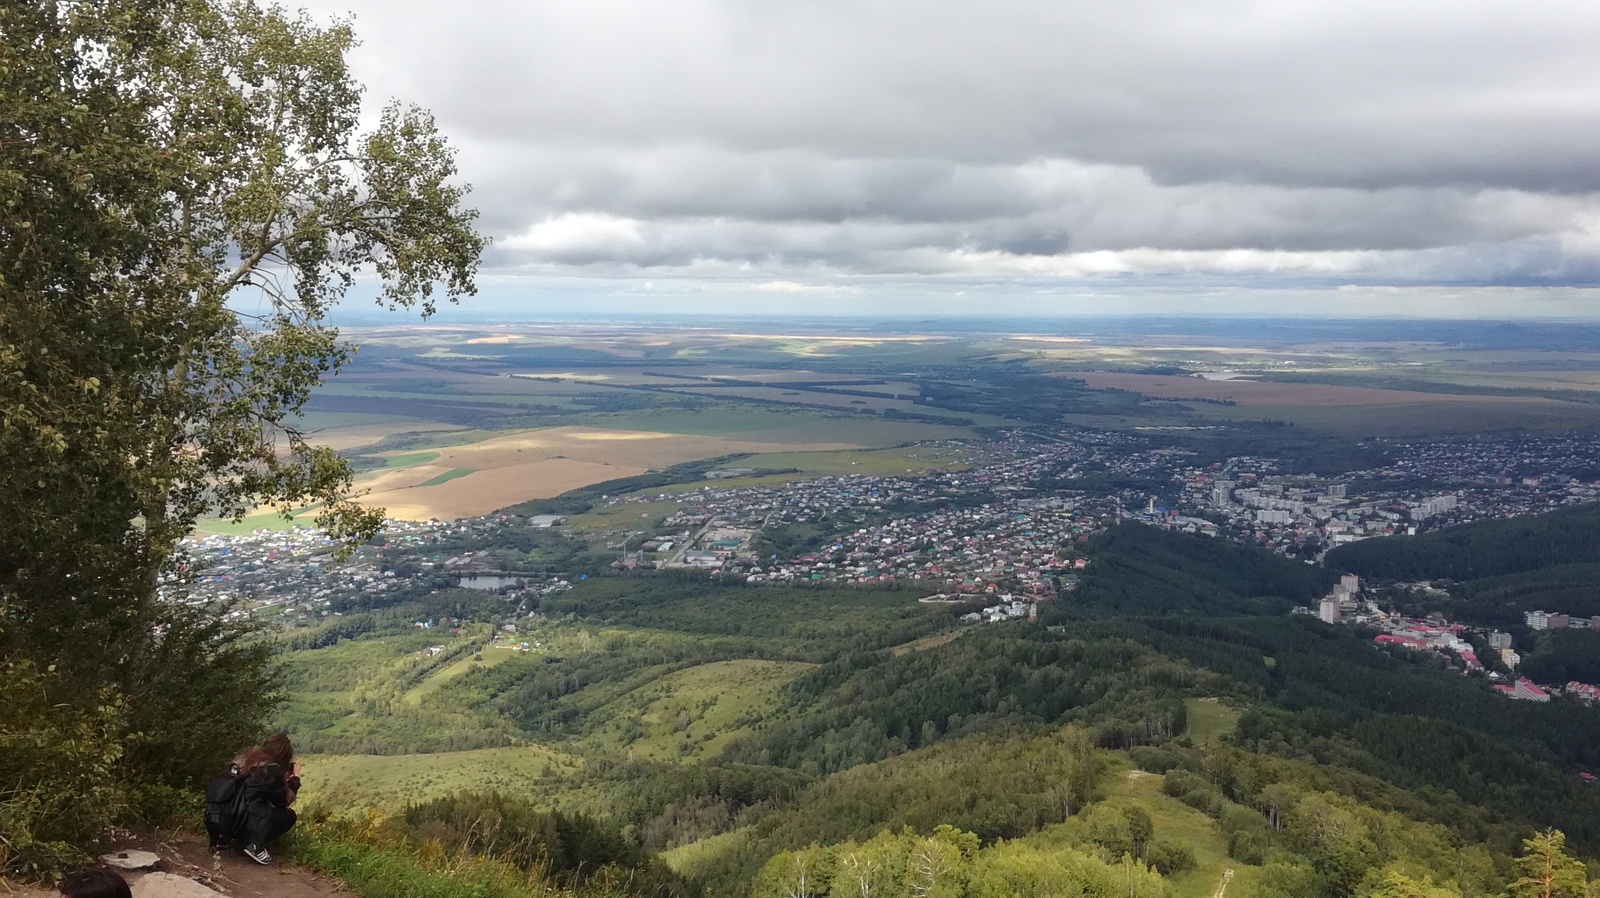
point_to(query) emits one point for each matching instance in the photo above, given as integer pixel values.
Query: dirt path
(1222, 887)
(230, 874)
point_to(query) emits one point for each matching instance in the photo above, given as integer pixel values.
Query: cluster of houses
(1555, 620)
(1435, 635)
(1010, 608)
(1428, 485)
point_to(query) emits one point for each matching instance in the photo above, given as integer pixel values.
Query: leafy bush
(566, 848)
(59, 780)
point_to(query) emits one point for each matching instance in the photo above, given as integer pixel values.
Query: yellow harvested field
(482, 492)
(538, 464)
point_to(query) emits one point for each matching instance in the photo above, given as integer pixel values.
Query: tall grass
(374, 861)
(373, 855)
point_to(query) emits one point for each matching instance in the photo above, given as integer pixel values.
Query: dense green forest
(1165, 721)
(1479, 550)
(1140, 570)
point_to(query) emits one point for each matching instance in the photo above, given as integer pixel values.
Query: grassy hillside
(1165, 712)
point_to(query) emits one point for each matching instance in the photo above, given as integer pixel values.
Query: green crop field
(1469, 416)
(305, 516)
(447, 476)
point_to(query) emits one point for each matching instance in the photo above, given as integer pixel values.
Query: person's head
(96, 884)
(276, 750)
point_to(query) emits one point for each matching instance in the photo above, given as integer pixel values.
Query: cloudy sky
(1338, 156)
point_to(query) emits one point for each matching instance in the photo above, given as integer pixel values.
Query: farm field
(451, 422)
(480, 477)
(1355, 411)
(1255, 393)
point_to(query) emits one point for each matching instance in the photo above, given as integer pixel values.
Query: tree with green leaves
(1547, 871)
(185, 193)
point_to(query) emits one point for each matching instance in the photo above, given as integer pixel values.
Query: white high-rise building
(1328, 610)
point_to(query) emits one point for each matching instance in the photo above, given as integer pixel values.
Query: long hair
(276, 750)
(96, 884)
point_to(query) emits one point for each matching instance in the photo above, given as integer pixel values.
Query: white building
(1328, 610)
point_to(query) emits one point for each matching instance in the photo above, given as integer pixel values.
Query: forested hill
(1484, 549)
(1165, 711)
(1141, 570)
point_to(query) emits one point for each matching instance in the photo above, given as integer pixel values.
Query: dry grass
(538, 464)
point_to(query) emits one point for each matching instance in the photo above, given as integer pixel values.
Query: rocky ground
(185, 869)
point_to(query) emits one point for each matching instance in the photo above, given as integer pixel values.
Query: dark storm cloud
(1423, 140)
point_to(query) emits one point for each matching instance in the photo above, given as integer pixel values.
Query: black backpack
(225, 804)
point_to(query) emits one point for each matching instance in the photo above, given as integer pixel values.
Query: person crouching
(271, 778)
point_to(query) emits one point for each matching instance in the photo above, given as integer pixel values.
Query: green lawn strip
(448, 476)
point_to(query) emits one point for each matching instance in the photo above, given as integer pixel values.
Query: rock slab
(131, 859)
(170, 885)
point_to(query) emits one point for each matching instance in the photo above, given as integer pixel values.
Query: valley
(715, 641)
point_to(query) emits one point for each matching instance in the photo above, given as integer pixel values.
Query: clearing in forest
(694, 713)
(394, 781)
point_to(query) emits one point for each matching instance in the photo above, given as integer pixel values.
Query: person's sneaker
(257, 854)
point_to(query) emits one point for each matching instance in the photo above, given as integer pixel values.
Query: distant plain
(446, 422)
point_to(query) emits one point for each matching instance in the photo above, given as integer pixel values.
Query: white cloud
(577, 236)
(789, 142)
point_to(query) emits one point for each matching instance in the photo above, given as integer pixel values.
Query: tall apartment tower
(1328, 610)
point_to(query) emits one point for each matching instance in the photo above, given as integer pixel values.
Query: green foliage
(1560, 656)
(1140, 570)
(868, 706)
(813, 624)
(160, 161)
(1502, 600)
(564, 848)
(1547, 871)
(1482, 549)
(948, 863)
(993, 787)
(60, 782)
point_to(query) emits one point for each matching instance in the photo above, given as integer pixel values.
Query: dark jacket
(267, 782)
